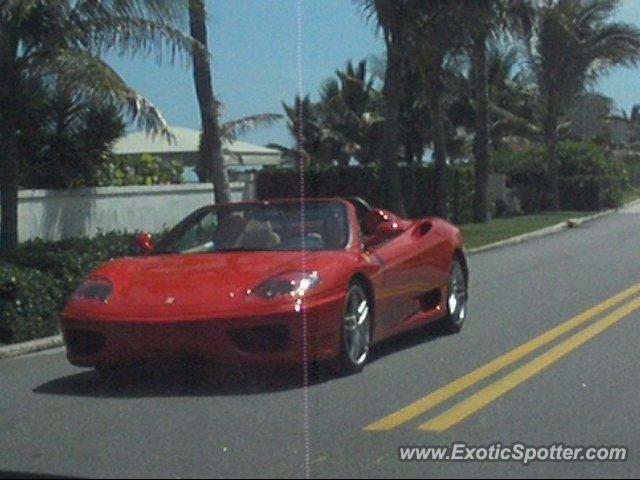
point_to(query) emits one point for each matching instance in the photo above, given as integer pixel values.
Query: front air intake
(263, 339)
(84, 343)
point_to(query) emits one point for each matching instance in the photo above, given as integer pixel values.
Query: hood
(195, 284)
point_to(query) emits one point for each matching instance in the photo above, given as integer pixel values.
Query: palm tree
(65, 40)
(210, 163)
(571, 43)
(513, 99)
(415, 118)
(481, 20)
(349, 110)
(394, 19)
(344, 123)
(436, 36)
(303, 121)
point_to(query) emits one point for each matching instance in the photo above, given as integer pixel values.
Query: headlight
(94, 289)
(294, 284)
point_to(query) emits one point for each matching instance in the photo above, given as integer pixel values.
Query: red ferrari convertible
(272, 281)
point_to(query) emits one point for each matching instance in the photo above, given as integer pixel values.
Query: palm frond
(81, 71)
(230, 131)
(595, 12)
(284, 150)
(161, 10)
(615, 44)
(571, 43)
(329, 89)
(15, 10)
(514, 123)
(133, 36)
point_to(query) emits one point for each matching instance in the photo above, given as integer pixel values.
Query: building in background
(239, 157)
(589, 116)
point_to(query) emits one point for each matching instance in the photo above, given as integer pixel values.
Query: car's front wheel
(356, 331)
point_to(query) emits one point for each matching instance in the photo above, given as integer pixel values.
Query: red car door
(410, 268)
(433, 261)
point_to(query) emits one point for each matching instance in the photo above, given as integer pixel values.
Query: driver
(258, 236)
(229, 231)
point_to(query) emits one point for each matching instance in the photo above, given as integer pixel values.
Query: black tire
(457, 296)
(355, 328)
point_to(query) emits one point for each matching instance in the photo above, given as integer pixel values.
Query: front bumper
(271, 338)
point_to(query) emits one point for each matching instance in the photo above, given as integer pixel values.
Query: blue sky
(254, 47)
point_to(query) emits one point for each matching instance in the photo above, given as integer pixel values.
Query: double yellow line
(484, 397)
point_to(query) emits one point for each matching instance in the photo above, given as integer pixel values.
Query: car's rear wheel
(356, 331)
(457, 295)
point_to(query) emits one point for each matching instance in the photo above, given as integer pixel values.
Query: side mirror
(143, 242)
(388, 230)
(375, 217)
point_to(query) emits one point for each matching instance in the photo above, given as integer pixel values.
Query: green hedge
(589, 176)
(69, 260)
(366, 182)
(29, 304)
(37, 278)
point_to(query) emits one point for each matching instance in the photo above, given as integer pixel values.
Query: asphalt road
(182, 421)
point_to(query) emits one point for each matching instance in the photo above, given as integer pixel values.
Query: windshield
(260, 227)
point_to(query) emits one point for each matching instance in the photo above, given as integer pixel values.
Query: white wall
(58, 214)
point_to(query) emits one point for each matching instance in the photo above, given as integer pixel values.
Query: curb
(57, 341)
(558, 227)
(31, 346)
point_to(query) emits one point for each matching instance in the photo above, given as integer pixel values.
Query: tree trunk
(481, 212)
(439, 151)
(9, 179)
(551, 144)
(392, 93)
(210, 162)
(408, 153)
(420, 153)
(9, 220)
(9, 161)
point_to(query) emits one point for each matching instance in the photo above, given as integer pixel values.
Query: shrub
(68, 261)
(37, 278)
(632, 165)
(141, 169)
(589, 176)
(29, 303)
